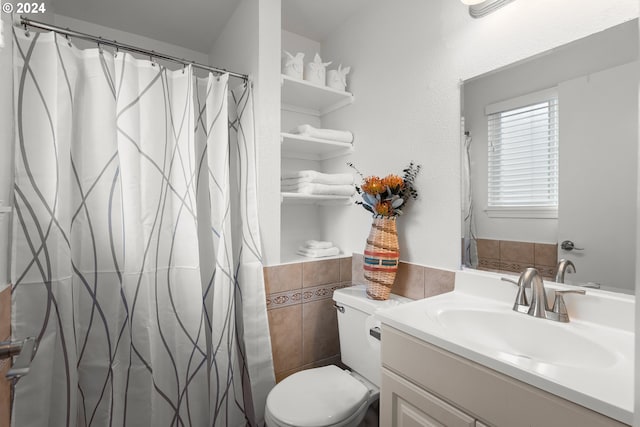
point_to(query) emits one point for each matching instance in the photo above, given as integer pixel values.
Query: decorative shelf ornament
(385, 198)
(293, 66)
(316, 71)
(337, 79)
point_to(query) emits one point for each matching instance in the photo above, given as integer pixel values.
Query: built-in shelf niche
(302, 102)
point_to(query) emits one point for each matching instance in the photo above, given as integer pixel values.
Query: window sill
(522, 212)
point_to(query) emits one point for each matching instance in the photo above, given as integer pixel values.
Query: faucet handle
(506, 279)
(559, 307)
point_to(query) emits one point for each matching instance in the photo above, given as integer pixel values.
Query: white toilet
(331, 396)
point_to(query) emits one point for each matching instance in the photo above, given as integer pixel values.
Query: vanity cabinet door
(403, 404)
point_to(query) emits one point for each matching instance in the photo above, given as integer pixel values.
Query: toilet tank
(359, 350)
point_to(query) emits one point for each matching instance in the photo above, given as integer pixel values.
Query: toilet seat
(319, 397)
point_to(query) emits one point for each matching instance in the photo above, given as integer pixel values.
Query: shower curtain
(469, 244)
(136, 253)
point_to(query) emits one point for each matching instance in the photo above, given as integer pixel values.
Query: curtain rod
(106, 42)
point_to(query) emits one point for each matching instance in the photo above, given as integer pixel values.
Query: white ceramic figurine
(316, 71)
(337, 79)
(293, 65)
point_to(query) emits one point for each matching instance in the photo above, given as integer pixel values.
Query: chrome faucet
(564, 266)
(539, 307)
(530, 278)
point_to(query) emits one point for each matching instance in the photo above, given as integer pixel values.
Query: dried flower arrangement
(386, 197)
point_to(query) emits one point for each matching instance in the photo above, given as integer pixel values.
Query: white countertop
(602, 379)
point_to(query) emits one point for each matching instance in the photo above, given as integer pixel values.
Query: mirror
(595, 80)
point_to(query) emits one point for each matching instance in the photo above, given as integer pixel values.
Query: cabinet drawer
(403, 404)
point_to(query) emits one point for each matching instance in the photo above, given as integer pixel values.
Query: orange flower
(373, 185)
(394, 182)
(384, 208)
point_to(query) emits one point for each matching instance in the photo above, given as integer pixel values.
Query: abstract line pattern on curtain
(136, 253)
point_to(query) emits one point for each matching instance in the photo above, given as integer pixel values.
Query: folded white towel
(318, 253)
(318, 244)
(320, 189)
(303, 176)
(328, 134)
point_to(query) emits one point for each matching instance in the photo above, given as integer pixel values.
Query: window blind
(523, 154)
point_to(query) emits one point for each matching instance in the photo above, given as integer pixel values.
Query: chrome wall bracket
(23, 351)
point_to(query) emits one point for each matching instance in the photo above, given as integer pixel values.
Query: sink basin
(525, 340)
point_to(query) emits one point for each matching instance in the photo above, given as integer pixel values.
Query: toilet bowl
(330, 396)
(319, 397)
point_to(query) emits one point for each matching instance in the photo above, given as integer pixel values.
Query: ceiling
(316, 19)
(193, 24)
(196, 24)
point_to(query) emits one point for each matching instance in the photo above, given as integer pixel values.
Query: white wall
(618, 45)
(636, 420)
(127, 38)
(407, 60)
(237, 46)
(598, 170)
(250, 43)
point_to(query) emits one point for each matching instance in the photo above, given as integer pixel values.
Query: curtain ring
(184, 65)
(115, 55)
(153, 64)
(100, 49)
(26, 30)
(66, 36)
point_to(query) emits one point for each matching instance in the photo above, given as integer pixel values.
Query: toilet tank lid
(356, 297)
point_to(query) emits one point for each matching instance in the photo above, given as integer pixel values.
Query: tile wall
(412, 280)
(513, 257)
(5, 334)
(302, 320)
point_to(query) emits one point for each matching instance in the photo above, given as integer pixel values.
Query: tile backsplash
(412, 280)
(302, 320)
(513, 257)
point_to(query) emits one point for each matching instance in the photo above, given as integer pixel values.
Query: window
(523, 156)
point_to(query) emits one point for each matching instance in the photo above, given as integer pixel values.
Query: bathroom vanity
(466, 359)
(426, 385)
